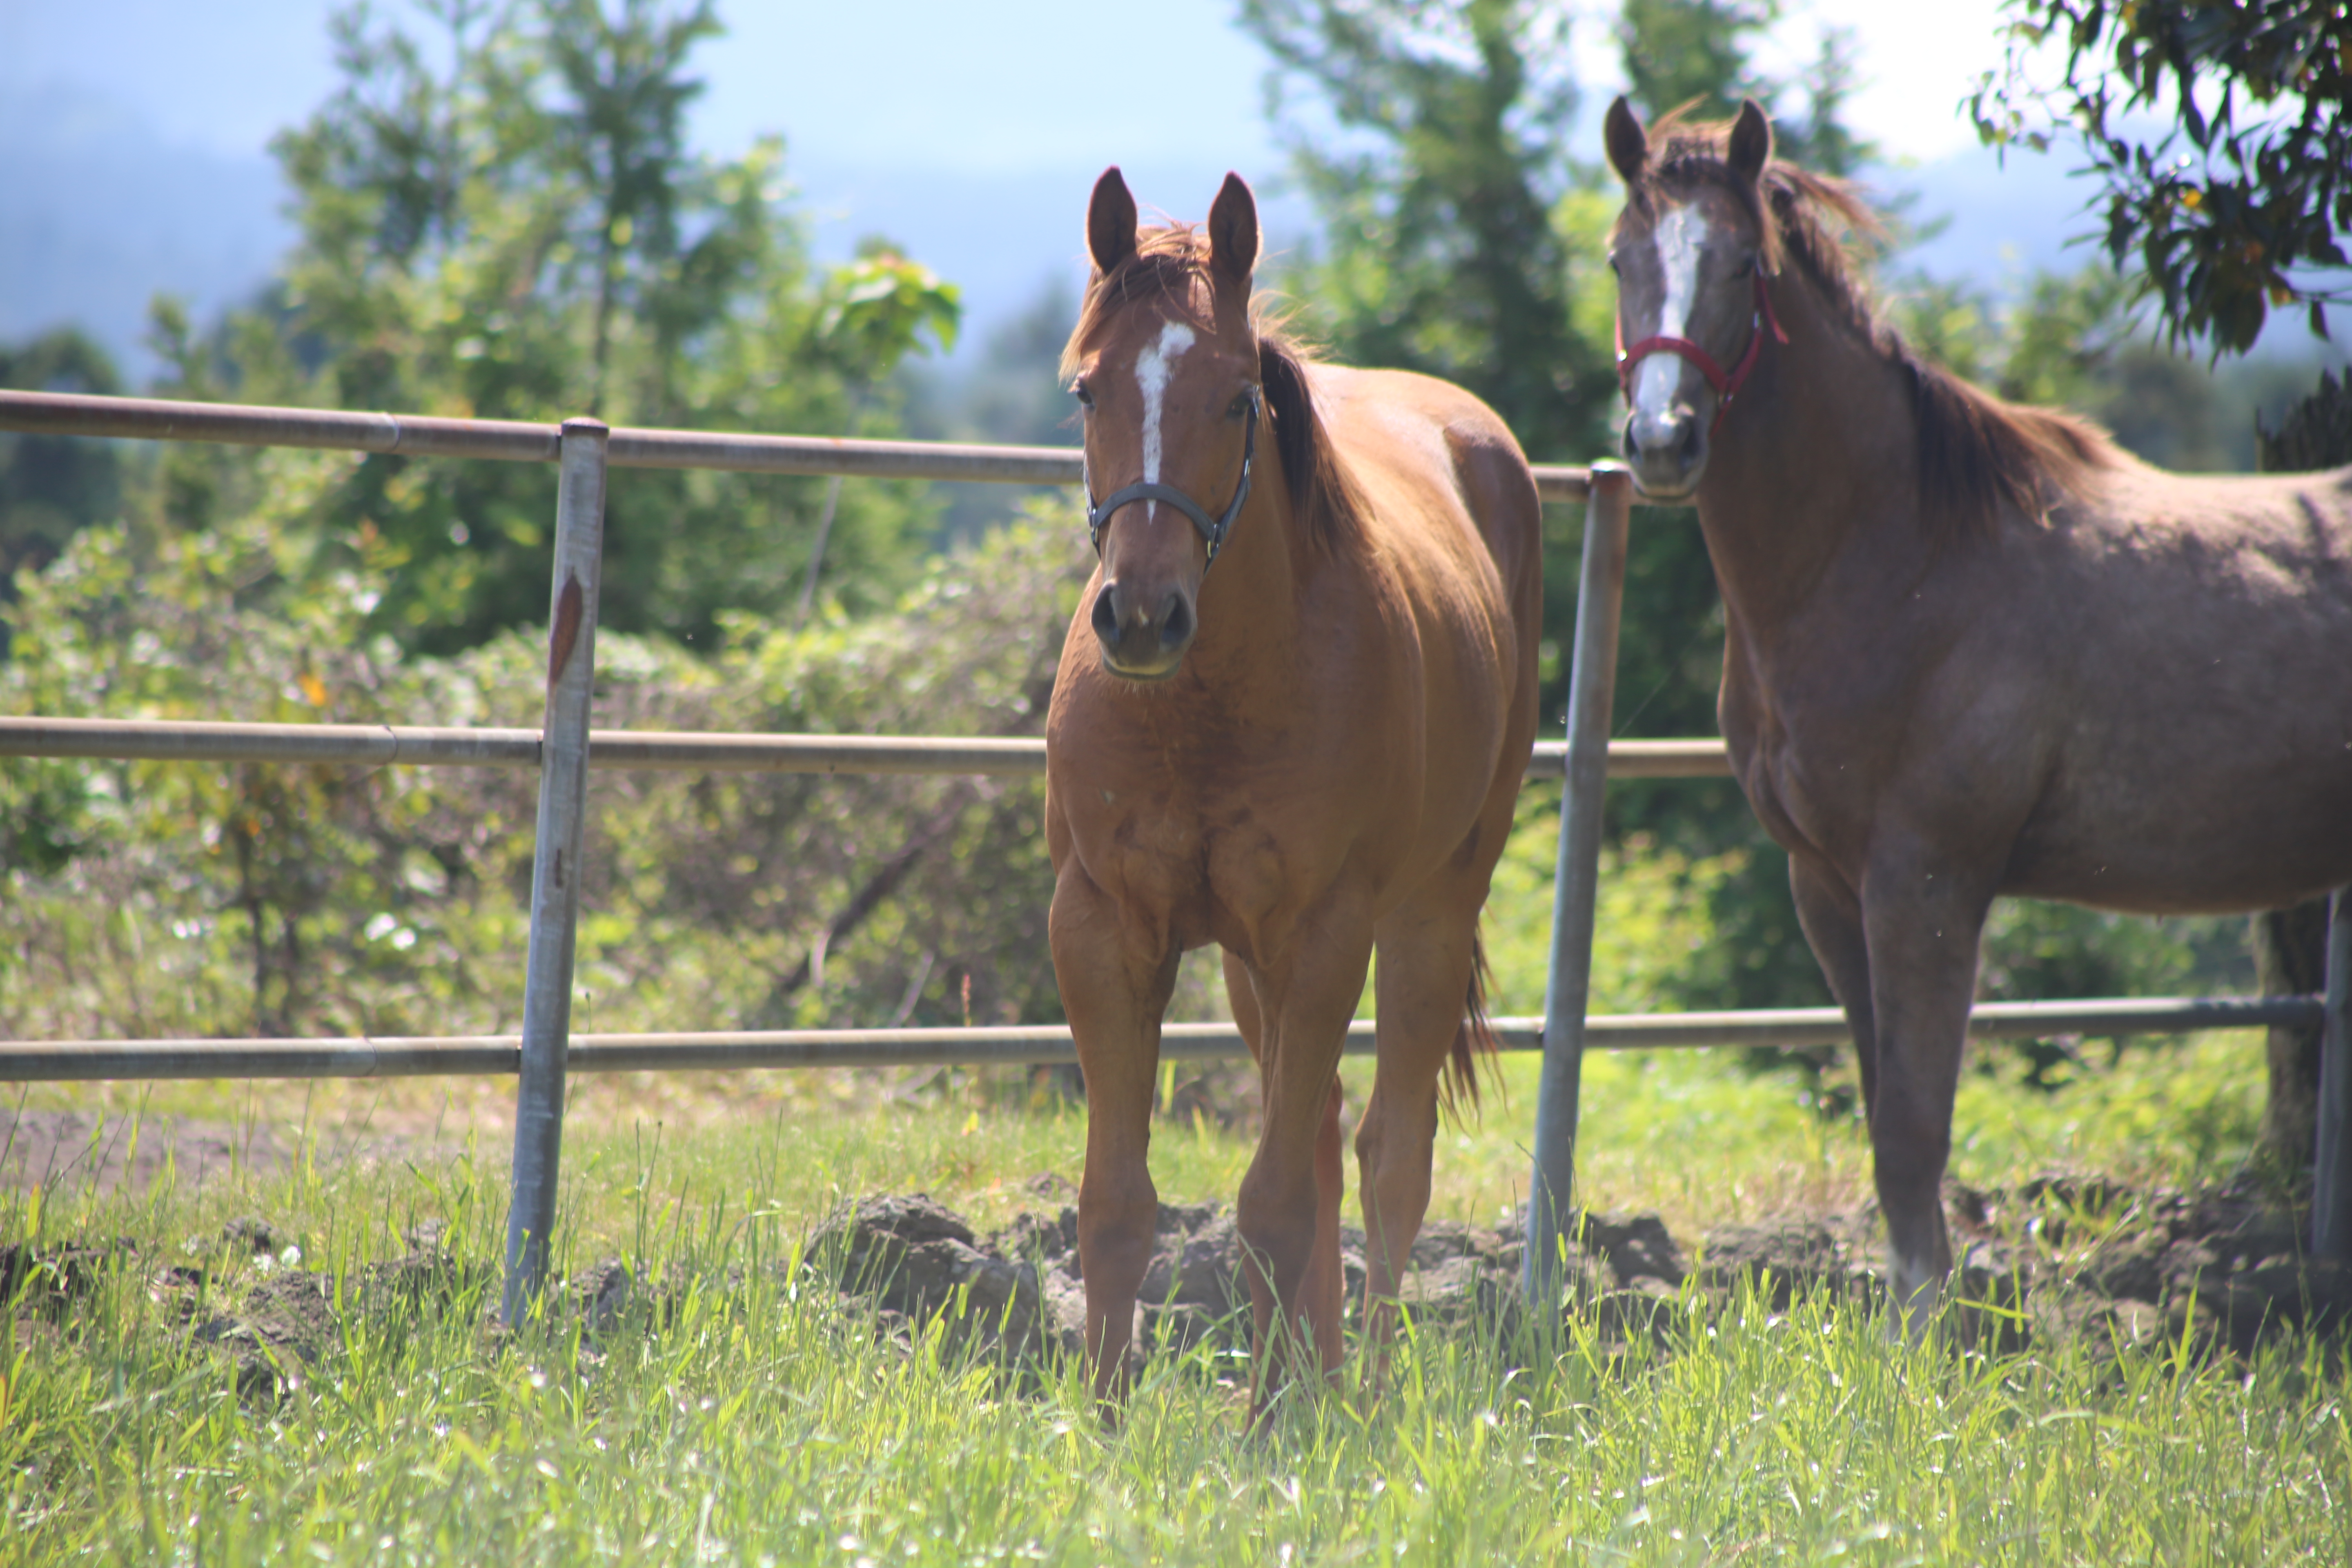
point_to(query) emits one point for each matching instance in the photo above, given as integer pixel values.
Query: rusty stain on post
(566, 630)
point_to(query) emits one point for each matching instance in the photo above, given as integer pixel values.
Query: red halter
(1727, 387)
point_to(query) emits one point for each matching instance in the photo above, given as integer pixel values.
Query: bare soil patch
(2062, 1259)
(79, 1149)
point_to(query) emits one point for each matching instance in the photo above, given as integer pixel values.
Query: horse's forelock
(1170, 266)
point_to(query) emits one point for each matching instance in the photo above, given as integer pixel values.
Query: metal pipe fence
(380, 745)
(565, 750)
(1047, 1044)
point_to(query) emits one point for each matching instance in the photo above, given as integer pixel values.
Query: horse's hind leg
(1428, 948)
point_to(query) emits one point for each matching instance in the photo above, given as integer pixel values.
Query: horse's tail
(1459, 1082)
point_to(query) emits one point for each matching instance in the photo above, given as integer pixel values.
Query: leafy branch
(2219, 135)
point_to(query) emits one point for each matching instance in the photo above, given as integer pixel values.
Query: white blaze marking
(1153, 367)
(1681, 237)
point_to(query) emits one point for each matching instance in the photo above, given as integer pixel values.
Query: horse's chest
(1801, 779)
(1220, 859)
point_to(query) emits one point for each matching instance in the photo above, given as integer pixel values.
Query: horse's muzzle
(1143, 640)
(1668, 455)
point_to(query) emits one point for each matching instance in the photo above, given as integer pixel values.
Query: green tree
(1439, 252)
(1010, 393)
(2220, 137)
(52, 486)
(1697, 55)
(518, 231)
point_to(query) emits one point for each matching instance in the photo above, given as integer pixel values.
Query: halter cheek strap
(1213, 529)
(1726, 386)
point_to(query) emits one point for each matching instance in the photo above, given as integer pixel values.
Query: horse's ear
(1232, 231)
(1629, 145)
(1110, 222)
(1751, 141)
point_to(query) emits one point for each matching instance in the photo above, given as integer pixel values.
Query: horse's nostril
(1106, 615)
(1176, 626)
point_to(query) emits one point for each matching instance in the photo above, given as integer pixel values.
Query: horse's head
(1691, 251)
(1165, 364)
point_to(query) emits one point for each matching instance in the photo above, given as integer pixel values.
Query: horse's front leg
(1115, 978)
(1289, 1212)
(1830, 915)
(1922, 918)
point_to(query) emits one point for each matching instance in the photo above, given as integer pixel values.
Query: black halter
(1212, 530)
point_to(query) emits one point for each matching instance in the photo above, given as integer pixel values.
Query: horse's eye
(1085, 398)
(1614, 267)
(1240, 405)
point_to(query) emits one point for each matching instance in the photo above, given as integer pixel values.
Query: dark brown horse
(1310, 751)
(1973, 648)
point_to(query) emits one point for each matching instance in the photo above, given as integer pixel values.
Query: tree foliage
(1439, 251)
(509, 224)
(2221, 135)
(1699, 56)
(51, 486)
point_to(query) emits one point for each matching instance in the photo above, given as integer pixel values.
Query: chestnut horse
(1972, 649)
(1312, 750)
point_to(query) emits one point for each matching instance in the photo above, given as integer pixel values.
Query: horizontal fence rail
(375, 745)
(1049, 1045)
(509, 440)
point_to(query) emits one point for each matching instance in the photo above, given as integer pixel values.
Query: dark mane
(1976, 451)
(1171, 265)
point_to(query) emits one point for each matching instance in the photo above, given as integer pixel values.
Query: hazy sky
(132, 134)
(946, 84)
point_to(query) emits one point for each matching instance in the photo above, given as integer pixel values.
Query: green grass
(762, 1421)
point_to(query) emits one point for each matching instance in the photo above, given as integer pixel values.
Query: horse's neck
(1814, 472)
(1250, 596)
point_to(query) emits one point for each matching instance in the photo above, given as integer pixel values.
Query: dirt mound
(2062, 1259)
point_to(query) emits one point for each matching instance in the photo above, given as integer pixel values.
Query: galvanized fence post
(555, 862)
(2331, 1188)
(1593, 684)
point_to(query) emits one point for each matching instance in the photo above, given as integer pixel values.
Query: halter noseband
(1727, 387)
(1213, 529)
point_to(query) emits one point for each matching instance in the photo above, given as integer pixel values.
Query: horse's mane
(1171, 264)
(1976, 451)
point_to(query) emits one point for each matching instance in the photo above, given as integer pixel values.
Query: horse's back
(2200, 701)
(1429, 454)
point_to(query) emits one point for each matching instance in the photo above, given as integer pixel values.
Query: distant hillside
(99, 213)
